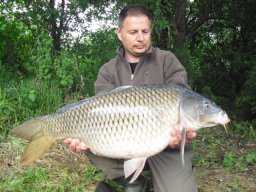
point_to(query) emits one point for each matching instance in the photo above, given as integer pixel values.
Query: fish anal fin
(135, 166)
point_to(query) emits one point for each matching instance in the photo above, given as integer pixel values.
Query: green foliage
(76, 68)
(7, 107)
(235, 187)
(102, 45)
(229, 160)
(250, 158)
(25, 99)
(214, 149)
(32, 176)
(246, 101)
(246, 129)
(90, 55)
(14, 45)
(24, 183)
(39, 63)
(239, 163)
(42, 85)
(207, 91)
(191, 63)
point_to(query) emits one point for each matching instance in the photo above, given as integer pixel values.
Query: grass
(59, 170)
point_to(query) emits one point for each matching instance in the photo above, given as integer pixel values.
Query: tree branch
(201, 20)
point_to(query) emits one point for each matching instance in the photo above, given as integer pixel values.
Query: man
(139, 63)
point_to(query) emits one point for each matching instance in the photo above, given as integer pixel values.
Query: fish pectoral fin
(135, 166)
(182, 145)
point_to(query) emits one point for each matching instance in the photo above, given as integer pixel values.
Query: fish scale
(131, 122)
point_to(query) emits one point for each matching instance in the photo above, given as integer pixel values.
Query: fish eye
(206, 105)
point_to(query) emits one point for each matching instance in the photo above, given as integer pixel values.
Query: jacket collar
(120, 53)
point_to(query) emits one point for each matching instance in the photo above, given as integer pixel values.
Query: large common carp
(131, 122)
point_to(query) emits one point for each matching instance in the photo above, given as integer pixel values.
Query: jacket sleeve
(174, 71)
(104, 82)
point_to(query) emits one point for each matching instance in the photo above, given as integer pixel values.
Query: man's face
(135, 35)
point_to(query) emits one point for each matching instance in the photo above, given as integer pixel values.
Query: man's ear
(118, 33)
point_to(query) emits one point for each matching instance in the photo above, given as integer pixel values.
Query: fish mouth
(223, 119)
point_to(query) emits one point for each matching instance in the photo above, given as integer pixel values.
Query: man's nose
(140, 36)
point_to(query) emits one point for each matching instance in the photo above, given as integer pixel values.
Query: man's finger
(67, 141)
(172, 142)
(74, 143)
(191, 135)
(82, 146)
(78, 149)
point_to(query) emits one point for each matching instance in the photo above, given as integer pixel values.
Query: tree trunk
(55, 30)
(178, 21)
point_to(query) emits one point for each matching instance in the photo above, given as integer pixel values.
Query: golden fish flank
(130, 123)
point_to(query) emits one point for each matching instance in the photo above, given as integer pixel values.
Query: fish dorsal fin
(121, 88)
(134, 166)
(182, 145)
(72, 105)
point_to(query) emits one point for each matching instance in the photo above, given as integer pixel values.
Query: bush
(27, 98)
(246, 101)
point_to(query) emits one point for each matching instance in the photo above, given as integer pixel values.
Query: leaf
(250, 157)
(32, 95)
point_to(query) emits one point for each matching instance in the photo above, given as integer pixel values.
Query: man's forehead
(138, 15)
(132, 20)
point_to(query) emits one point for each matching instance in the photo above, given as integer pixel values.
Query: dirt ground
(219, 180)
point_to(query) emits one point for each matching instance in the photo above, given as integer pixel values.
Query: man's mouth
(139, 46)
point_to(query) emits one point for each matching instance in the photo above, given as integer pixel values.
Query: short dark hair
(134, 9)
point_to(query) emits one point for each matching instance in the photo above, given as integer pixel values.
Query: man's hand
(75, 145)
(176, 137)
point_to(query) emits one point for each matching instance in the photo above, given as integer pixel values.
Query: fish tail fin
(39, 141)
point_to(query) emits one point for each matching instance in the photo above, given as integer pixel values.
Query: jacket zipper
(132, 76)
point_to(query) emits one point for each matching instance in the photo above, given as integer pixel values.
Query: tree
(59, 18)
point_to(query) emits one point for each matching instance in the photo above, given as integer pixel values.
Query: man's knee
(111, 168)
